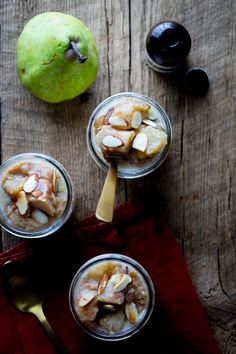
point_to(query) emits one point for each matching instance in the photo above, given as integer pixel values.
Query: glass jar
(22, 226)
(127, 169)
(105, 261)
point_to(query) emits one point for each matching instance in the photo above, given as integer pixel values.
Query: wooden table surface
(197, 182)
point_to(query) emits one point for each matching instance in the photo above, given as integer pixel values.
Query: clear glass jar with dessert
(111, 297)
(36, 195)
(134, 130)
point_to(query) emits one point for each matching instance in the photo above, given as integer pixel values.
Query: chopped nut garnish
(30, 184)
(22, 203)
(131, 312)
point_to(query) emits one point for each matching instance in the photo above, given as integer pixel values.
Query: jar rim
(116, 257)
(152, 163)
(68, 207)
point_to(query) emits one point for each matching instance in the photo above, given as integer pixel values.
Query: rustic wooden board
(198, 181)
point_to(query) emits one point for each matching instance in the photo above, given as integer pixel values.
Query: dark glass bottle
(167, 46)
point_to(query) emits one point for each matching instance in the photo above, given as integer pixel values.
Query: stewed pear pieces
(130, 130)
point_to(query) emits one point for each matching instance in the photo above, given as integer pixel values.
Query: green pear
(56, 57)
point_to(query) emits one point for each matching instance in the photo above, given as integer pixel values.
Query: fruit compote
(34, 193)
(111, 296)
(131, 128)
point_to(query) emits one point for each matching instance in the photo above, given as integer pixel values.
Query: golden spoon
(106, 201)
(26, 297)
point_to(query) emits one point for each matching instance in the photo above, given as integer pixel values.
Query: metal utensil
(27, 297)
(106, 201)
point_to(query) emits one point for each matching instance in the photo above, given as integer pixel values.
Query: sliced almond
(37, 193)
(140, 142)
(40, 217)
(160, 126)
(111, 141)
(99, 122)
(54, 181)
(152, 115)
(131, 312)
(136, 120)
(86, 297)
(22, 203)
(120, 281)
(117, 121)
(30, 184)
(109, 307)
(102, 284)
(150, 122)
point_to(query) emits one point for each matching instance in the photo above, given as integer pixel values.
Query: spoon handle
(106, 202)
(58, 346)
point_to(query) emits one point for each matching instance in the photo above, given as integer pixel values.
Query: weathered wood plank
(31, 125)
(198, 181)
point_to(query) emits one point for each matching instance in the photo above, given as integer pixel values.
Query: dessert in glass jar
(134, 130)
(36, 195)
(111, 297)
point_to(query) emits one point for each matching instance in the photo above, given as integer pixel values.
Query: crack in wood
(182, 141)
(130, 47)
(183, 181)
(1, 245)
(230, 187)
(108, 47)
(129, 80)
(219, 273)
(228, 340)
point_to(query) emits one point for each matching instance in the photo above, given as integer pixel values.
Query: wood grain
(197, 183)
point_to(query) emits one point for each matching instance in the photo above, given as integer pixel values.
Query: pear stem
(80, 58)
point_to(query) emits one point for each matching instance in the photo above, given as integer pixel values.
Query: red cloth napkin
(178, 324)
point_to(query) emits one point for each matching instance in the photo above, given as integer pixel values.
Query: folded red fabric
(178, 324)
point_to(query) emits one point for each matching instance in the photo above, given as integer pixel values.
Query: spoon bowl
(25, 294)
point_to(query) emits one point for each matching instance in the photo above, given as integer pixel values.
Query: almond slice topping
(131, 312)
(136, 120)
(111, 141)
(102, 284)
(30, 184)
(140, 142)
(40, 217)
(121, 281)
(54, 182)
(150, 122)
(99, 122)
(109, 307)
(22, 203)
(37, 193)
(117, 121)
